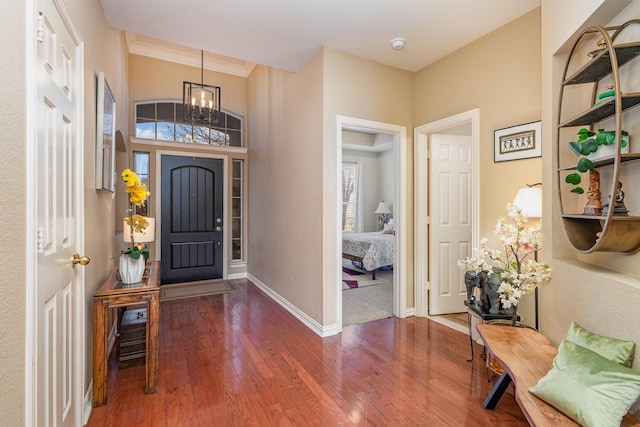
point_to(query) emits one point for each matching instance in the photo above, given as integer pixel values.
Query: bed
(374, 249)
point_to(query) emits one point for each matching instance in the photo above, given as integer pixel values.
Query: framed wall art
(105, 135)
(517, 142)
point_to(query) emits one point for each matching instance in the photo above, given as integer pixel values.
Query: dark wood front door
(192, 221)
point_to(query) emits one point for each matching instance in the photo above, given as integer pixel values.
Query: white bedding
(375, 248)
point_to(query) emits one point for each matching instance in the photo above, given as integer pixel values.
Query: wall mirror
(105, 129)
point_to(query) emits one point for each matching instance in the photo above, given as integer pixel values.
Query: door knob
(82, 260)
(218, 228)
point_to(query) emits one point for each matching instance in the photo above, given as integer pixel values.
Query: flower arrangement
(138, 194)
(519, 273)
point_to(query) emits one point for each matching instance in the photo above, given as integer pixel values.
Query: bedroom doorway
(376, 152)
(446, 148)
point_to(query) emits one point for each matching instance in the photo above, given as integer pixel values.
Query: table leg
(153, 310)
(100, 353)
(470, 336)
(498, 390)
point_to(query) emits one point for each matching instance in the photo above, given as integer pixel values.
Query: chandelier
(201, 102)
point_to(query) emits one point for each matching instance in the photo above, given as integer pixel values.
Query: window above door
(162, 120)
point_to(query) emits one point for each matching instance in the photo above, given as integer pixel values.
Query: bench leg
(498, 390)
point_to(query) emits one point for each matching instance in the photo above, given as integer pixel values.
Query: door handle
(218, 228)
(80, 259)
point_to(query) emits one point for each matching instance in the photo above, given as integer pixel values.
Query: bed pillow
(620, 351)
(591, 389)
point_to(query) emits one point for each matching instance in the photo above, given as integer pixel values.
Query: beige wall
(500, 75)
(13, 223)
(599, 299)
(285, 181)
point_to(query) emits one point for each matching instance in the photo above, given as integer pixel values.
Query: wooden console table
(111, 294)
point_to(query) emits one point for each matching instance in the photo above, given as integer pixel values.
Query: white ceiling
(285, 34)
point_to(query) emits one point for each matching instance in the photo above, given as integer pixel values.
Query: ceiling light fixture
(201, 102)
(397, 43)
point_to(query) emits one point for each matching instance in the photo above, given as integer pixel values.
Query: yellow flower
(130, 177)
(138, 194)
(139, 222)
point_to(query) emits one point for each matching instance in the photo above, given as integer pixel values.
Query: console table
(112, 294)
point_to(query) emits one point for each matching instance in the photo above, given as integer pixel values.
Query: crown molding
(165, 51)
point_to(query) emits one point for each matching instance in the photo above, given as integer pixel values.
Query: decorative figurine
(619, 208)
(593, 206)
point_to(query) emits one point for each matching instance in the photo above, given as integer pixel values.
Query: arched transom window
(162, 120)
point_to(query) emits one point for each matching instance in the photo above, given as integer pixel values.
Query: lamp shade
(529, 200)
(146, 235)
(382, 208)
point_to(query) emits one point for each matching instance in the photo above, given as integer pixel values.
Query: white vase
(131, 270)
(609, 150)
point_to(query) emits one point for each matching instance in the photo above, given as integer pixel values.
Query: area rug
(351, 272)
(197, 289)
(363, 278)
(367, 304)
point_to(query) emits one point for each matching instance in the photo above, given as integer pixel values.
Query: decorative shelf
(602, 111)
(601, 65)
(606, 233)
(605, 161)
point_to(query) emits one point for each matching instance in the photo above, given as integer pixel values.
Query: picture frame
(518, 142)
(105, 135)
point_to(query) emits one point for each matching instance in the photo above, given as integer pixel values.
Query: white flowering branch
(518, 277)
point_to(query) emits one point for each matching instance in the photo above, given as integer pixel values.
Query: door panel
(451, 227)
(58, 370)
(192, 221)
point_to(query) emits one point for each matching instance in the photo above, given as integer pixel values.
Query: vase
(131, 270)
(609, 150)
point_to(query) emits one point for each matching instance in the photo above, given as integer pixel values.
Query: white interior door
(451, 220)
(59, 282)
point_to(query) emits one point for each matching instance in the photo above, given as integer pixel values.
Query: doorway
(441, 239)
(398, 140)
(192, 218)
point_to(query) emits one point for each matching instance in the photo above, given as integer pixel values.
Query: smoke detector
(397, 43)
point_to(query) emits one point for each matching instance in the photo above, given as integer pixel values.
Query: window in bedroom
(164, 121)
(349, 195)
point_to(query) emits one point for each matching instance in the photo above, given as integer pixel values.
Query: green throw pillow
(615, 349)
(592, 390)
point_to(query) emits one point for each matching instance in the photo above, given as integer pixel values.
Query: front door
(59, 295)
(451, 220)
(192, 220)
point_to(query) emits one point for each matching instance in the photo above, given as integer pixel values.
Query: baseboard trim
(323, 331)
(88, 404)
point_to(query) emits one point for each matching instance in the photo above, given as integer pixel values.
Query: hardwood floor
(242, 360)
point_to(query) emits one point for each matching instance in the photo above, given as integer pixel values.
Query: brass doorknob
(82, 260)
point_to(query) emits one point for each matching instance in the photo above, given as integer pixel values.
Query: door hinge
(40, 240)
(428, 154)
(40, 28)
(428, 220)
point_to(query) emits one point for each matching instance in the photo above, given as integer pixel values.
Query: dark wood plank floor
(242, 360)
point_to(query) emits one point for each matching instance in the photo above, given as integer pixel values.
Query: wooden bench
(526, 356)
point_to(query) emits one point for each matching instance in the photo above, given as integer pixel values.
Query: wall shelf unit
(601, 232)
